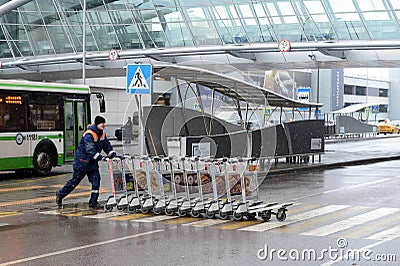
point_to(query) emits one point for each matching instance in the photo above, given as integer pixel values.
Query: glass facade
(49, 27)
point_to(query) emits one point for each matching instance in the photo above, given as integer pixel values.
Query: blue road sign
(303, 95)
(375, 109)
(138, 79)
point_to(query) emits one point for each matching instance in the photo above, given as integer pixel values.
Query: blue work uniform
(86, 162)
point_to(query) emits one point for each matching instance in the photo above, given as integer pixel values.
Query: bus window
(13, 115)
(44, 115)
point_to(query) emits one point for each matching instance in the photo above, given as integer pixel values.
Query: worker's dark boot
(96, 206)
(58, 200)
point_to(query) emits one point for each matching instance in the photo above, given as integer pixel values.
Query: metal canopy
(230, 86)
(354, 108)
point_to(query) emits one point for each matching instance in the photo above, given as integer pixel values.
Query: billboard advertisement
(286, 82)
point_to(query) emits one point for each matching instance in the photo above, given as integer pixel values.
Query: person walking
(128, 130)
(92, 143)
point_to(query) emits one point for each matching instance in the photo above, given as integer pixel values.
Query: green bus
(41, 123)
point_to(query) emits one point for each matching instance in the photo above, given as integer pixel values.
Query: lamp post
(84, 43)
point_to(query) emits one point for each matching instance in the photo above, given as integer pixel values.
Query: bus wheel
(42, 162)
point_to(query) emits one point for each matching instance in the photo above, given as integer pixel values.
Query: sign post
(139, 82)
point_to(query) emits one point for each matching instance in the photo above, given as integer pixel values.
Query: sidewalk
(349, 152)
(338, 153)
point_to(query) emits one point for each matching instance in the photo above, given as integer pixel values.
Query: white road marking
(78, 248)
(59, 212)
(351, 222)
(295, 218)
(344, 188)
(104, 215)
(387, 235)
(154, 219)
(359, 185)
(207, 222)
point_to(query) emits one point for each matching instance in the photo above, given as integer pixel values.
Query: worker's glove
(112, 154)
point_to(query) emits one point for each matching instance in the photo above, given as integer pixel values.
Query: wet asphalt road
(354, 209)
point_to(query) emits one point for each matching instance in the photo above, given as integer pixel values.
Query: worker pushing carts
(201, 187)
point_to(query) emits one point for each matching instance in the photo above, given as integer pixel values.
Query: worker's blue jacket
(89, 149)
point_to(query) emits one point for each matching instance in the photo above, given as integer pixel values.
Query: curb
(332, 165)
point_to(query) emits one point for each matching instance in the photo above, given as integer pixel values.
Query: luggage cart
(137, 198)
(200, 206)
(112, 200)
(119, 179)
(189, 178)
(249, 207)
(175, 179)
(213, 207)
(148, 201)
(161, 201)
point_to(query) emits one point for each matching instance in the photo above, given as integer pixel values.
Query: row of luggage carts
(200, 187)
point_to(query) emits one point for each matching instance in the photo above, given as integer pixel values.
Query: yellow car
(388, 127)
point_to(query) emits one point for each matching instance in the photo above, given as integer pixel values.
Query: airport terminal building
(93, 41)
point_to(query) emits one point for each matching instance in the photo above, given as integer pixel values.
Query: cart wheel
(265, 216)
(120, 208)
(223, 216)
(169, 212)
(281, 215)
(210, 215)
(144, 210)
(237, 216)
(108, 208)
(181, 213)
(131, 209)
(195, 214)
(251, 216)
(157, 211)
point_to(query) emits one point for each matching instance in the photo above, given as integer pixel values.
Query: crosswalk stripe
(80, 213)
(295, 218)
(302, 208)
(129, 217)
(389, 234)
(302, 225)
(16, 189)
(351, 222)
(6, 214)
(206, 223)
(373, 227)
(60, 211)
(156, 219)
(104, 215)
(182, 220)
(237, 225)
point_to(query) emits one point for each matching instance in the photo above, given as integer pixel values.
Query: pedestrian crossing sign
(138, 78)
